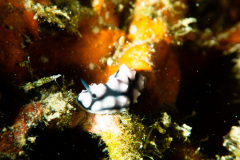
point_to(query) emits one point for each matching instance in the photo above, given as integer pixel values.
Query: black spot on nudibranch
(94, 96)
(121, 90)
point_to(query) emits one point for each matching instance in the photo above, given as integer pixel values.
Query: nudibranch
(121, 91)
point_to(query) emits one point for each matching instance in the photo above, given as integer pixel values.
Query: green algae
(135, 140)
(65, 14)
(31, 85)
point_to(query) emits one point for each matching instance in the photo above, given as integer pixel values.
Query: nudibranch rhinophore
(121, 90)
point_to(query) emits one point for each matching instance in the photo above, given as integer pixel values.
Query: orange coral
(231, 35)
(13, 140)
(80, 54)
(109, 14)
(137, 57)
(145, 29)
(44, 2)
(97, 5)
(17, 30)
(137, 34)
(26, 119)
(146, 49)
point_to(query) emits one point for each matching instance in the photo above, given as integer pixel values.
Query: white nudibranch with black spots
(121, 90)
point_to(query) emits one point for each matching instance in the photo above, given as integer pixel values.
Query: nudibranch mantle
(121, 90)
